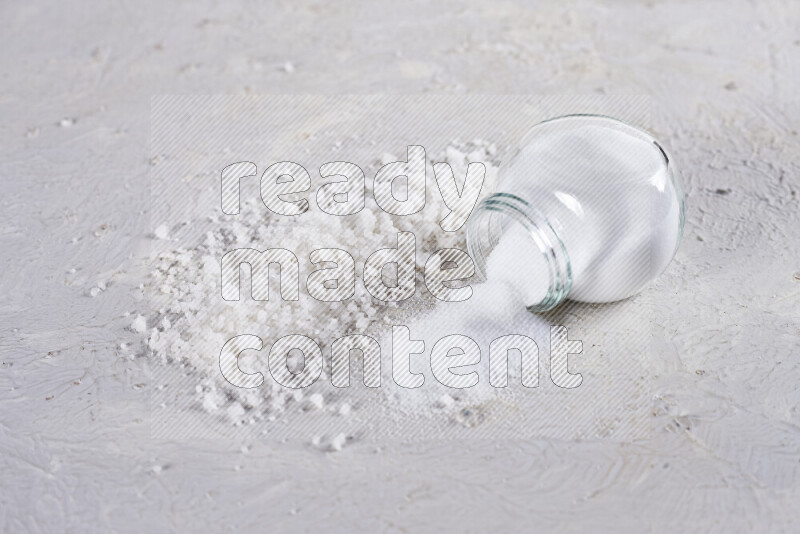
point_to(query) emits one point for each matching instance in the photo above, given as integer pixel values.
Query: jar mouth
(489, 221)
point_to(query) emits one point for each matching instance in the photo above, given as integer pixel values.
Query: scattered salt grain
(139, 324)
(162, 232)
(445, 401)
(235, 412)
(338, 442)
(316, 401)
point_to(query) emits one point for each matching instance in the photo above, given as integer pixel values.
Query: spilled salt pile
(496, 308)
(193, 322)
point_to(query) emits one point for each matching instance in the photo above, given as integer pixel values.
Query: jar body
(601, 201)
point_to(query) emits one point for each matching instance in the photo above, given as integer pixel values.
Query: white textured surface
(75, 82)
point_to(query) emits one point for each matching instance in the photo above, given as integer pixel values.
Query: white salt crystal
(338, 442)
(517, 261)
(288, 67)
(209, 404)
(162, 232)
(139, 324)
(345, 409)
(445, 401)
(235, 411)
(454, 156)
(316, 401)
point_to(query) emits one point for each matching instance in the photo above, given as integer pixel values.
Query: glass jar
(589, 208)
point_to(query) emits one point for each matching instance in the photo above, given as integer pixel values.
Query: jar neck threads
(486, 227)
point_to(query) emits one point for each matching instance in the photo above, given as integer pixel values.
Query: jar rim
(483, 234)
